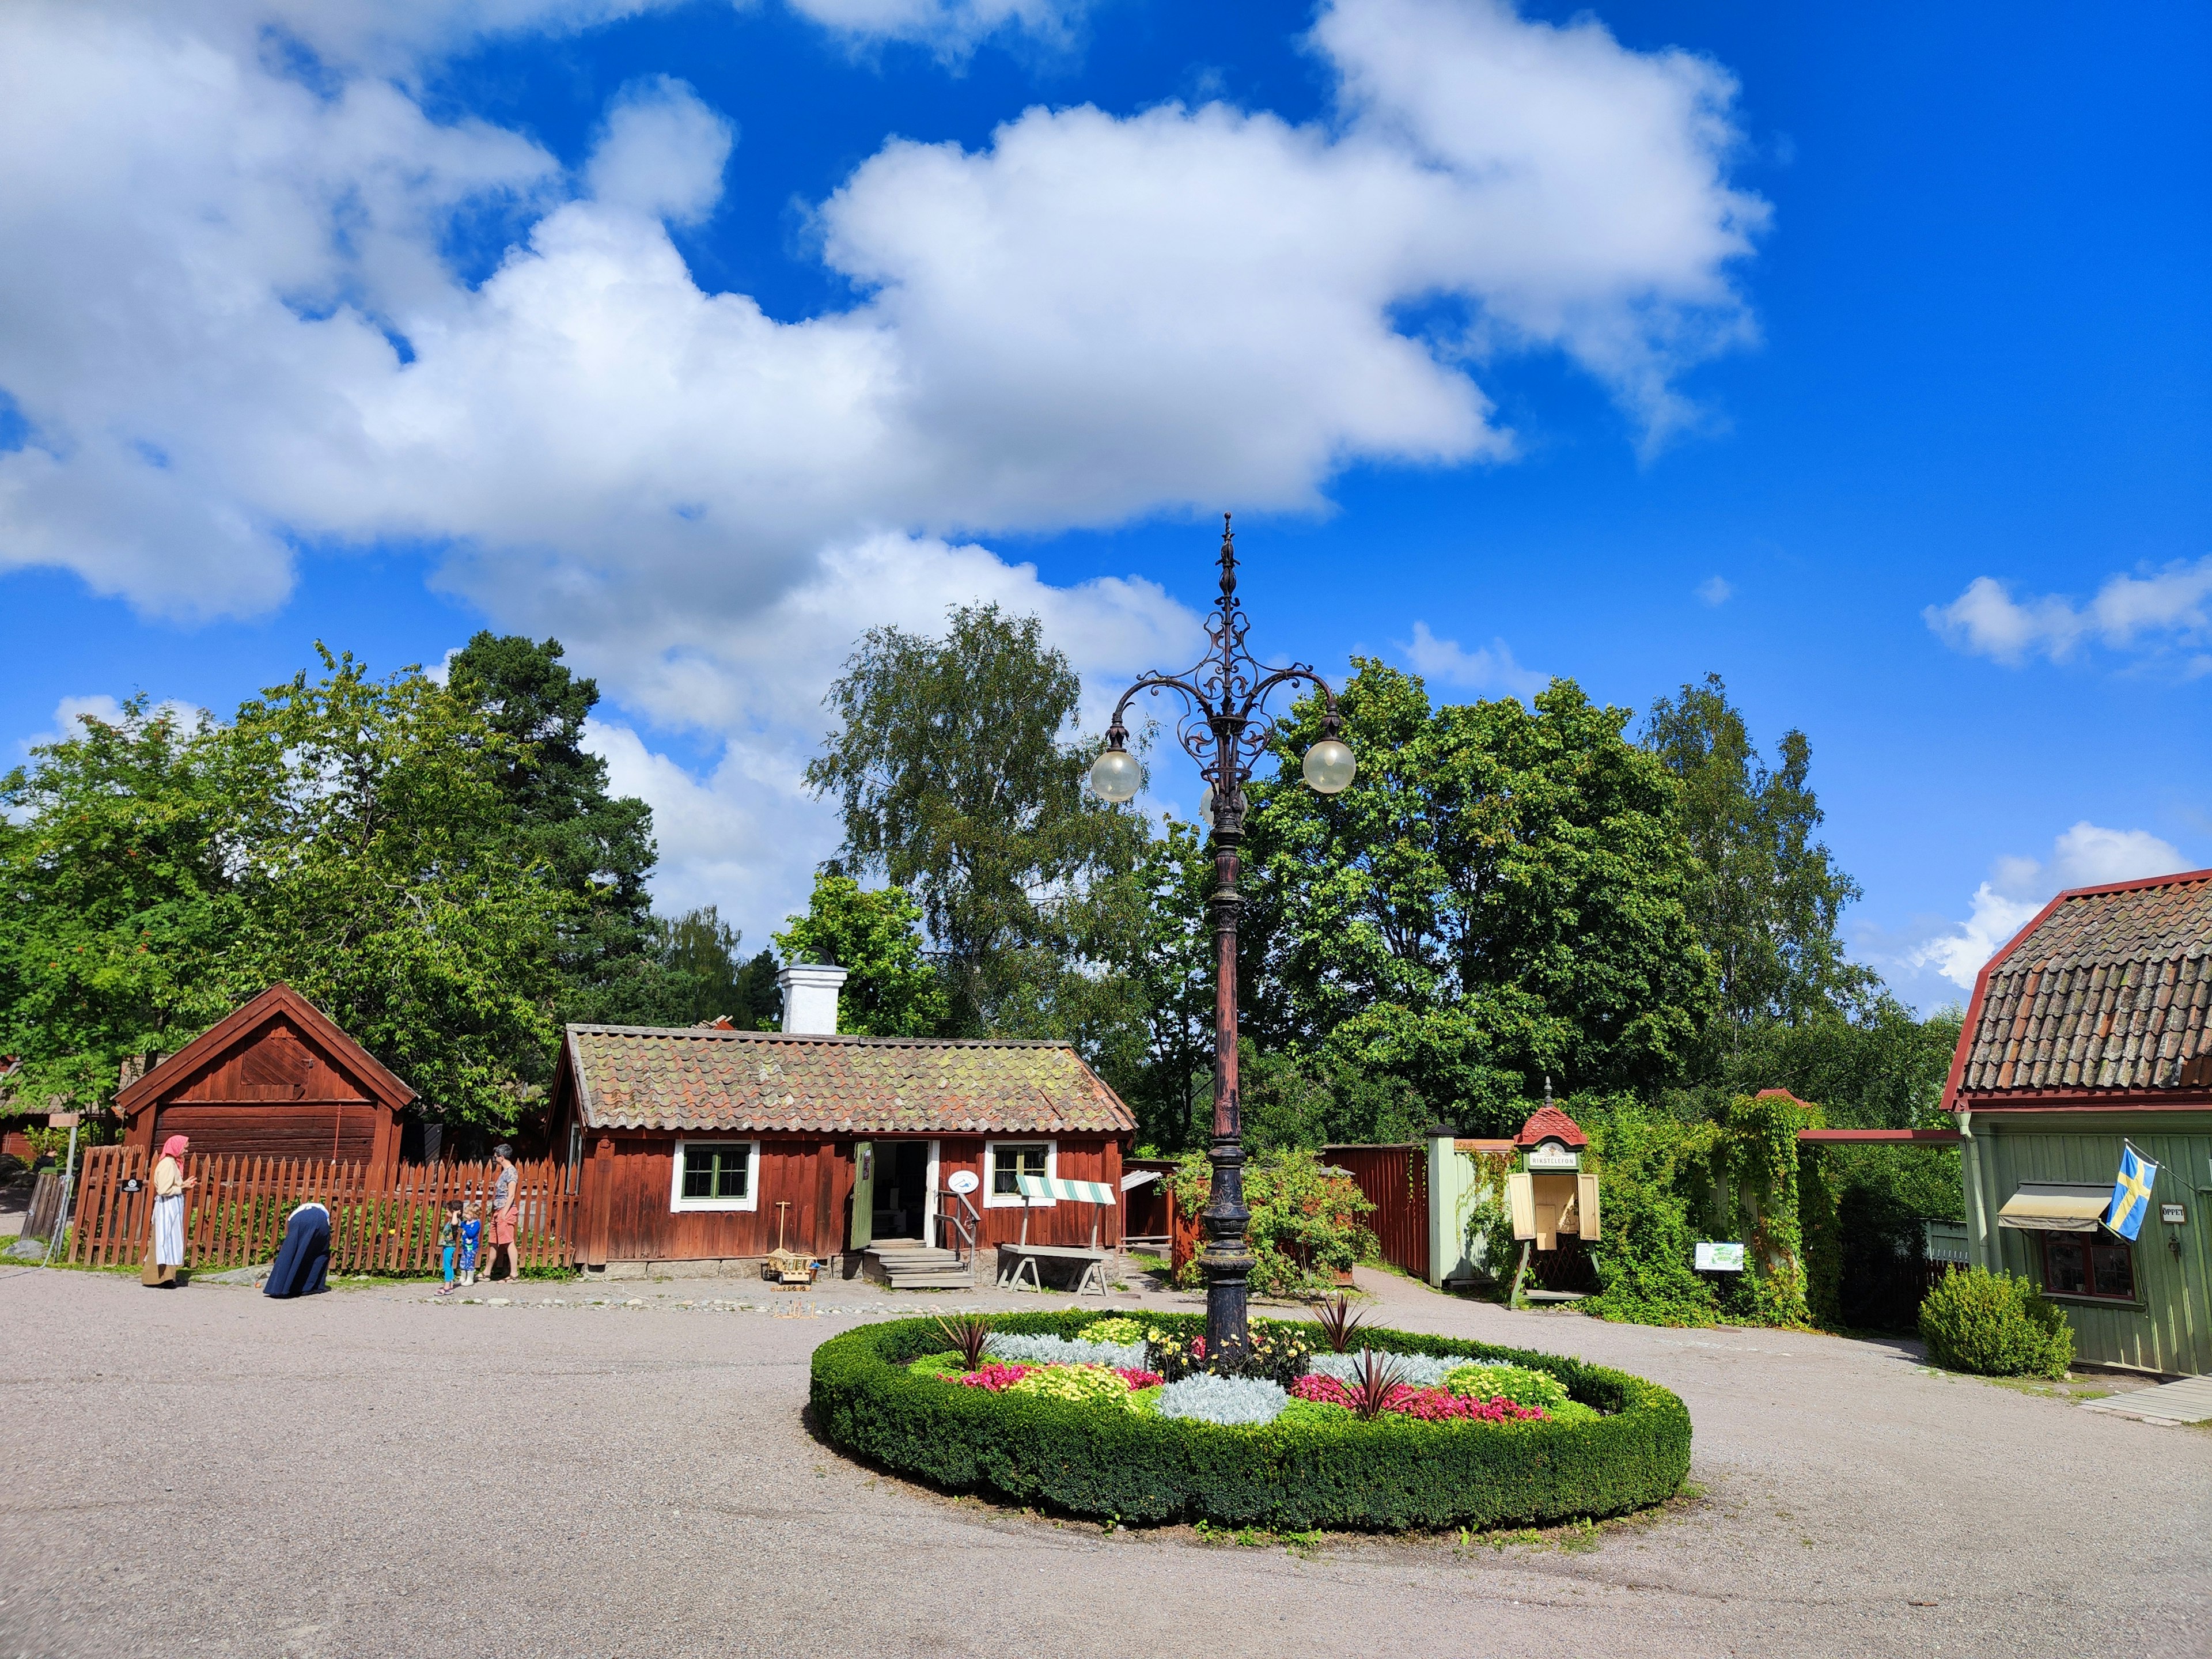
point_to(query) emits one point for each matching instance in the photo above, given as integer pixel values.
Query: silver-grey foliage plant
(1232, 1400)
(1017, 1350)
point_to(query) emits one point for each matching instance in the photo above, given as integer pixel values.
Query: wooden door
(863, 1195)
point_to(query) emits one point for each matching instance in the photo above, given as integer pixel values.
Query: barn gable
(277, 1078)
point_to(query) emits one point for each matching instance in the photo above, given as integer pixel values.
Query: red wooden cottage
(275, 1079)
(697, 1145)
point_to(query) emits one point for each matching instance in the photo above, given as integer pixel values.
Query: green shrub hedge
(1290, 1475)
(1996, 1325)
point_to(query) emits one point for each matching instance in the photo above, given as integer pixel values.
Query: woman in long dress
(304, 1258)
(167, 1252)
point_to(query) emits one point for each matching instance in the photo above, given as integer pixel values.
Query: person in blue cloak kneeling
(303, 1260)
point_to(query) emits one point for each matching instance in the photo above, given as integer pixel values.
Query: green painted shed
(2088, 1033)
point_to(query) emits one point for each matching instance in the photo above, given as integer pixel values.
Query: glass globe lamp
(1206, 805)
(1115, 775)
(1329, 767)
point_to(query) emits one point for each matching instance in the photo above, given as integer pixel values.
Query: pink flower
(1429, 1405)
(996, 1377)
(1138, 1379)
(1326, 1390)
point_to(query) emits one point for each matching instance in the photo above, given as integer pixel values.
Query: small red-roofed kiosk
(1553, 1195)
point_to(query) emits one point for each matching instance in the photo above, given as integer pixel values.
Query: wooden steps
(907, 1264)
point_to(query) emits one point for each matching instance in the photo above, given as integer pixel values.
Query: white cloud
(70, 712)
(748, 835)
(2087, 855)
(2152, 613)
(661, 153)
(1486, 668)
(234, 334)
(1715, 590)
(954, 27)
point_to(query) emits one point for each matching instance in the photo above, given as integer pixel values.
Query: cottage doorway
(902, 1188)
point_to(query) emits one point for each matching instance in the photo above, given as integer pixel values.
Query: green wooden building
(2086, 1033)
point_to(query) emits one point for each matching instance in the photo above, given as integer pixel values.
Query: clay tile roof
(2108, 989)
(633, 1077)
(1550, 1123)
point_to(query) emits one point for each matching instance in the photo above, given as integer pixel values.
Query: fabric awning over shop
(2055, 1207)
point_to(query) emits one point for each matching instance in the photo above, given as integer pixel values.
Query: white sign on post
(962, 1181)
(1554, 1155)
(1720, 1258)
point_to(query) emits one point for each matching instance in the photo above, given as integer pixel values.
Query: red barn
(277, 1080)
(696, 1144)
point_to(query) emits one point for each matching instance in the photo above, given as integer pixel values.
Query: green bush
(1296, 1473)
(1305, 1225)
(1994, 1324)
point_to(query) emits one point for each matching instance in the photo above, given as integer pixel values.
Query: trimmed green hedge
(1290, 1476)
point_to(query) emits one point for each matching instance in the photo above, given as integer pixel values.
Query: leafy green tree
(381, 879)
(594, 846)
(1766, 895)
(957, 781)
(118, 848)
(1170, 1087)
(1500, 895)
(891, 989)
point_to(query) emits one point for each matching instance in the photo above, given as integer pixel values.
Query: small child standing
(471, 1230)
(449, 1242)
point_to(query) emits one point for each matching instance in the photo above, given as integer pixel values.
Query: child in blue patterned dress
(471, 1230)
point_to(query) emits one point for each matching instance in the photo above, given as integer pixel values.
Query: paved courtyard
(374, 1473)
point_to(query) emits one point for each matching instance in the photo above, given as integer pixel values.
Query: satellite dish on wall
(962, 1181)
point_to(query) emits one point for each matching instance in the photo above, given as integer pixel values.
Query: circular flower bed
(1430, 1433)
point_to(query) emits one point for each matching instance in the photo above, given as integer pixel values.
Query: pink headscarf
(175, 1147)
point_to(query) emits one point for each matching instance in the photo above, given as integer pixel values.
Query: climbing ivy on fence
(1757, 1165)
(1742, 1174)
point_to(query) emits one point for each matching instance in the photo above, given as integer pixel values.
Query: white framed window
(716, 1175)
(1005, 1161)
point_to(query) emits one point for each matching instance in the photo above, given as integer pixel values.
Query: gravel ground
(373, 1471)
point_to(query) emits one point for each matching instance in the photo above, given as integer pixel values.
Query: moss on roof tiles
(2108, 991)
(651, 1078)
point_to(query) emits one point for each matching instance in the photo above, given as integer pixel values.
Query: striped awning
(1050, 1189)
(2055, 1207)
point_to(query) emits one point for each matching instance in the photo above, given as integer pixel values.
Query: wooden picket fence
(236, 1215)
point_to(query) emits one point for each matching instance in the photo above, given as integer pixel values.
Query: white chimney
(810, 998)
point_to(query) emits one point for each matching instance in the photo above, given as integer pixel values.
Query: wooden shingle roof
(2106, 991)
(630, 1077)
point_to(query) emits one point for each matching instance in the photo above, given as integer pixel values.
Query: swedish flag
(2130, 1194)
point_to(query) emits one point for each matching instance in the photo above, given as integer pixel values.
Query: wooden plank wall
(1396, 1181)
(628, 1178)
(236, 1215)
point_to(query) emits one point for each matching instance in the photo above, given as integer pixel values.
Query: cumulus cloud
(2152, 613)
(662, 153)
(235, 336)
(953, 27)
(2087, 855)
(1487, 668)
(1715, 590)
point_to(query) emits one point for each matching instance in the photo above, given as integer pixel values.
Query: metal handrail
(968, 1226)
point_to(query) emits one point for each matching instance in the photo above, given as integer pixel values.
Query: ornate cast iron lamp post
(1223, 728)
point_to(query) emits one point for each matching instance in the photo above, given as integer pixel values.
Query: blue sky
(1860, 357)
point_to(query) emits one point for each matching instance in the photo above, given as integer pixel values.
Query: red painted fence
(235, 1213)
(1396, 1181)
